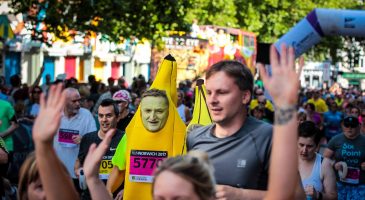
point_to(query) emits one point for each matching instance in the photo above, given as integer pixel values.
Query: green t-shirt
(119, 158)
(6, 114)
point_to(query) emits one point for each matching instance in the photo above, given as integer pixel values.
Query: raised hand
(283, 85)
(94, 156)
(91, 168)
(48, 120)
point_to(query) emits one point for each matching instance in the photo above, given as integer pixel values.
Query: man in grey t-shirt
(238, 145)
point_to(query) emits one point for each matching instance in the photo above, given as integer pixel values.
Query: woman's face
(35, 191)
(169, 186)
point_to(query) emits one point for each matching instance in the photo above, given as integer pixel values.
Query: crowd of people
(297, 144)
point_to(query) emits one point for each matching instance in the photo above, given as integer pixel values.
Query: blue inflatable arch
(320, 23)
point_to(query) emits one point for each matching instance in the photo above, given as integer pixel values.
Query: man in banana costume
(155, 133)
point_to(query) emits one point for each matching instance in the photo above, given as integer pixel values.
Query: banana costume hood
(201, 115)
(145, 149)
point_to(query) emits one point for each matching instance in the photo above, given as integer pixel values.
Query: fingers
(291, 58)
(104, 145)
(42, 101)
(283, 56)
(264, 76)
(91, 151)
(301, 65)
(274, 60)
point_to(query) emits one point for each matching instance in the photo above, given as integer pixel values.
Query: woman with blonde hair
(30, 185)
(186, 177)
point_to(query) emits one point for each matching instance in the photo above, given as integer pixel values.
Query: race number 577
(143, 162)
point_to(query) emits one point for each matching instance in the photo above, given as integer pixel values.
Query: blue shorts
(350, 192)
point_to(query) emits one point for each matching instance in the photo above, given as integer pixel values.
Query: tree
(270, 19)
(114, 18)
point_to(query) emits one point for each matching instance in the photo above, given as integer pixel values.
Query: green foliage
(270, 19)
(116, 18)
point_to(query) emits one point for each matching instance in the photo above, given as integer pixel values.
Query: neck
(69, 114)
(123, 114)
(352, 137)
(309, 161)
(101, 134)
(226, 129)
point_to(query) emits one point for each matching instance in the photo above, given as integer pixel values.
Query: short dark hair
(312, 106)
(156, 93)
(309, 129)
(238, 71)
(110, 102)
(15, 80)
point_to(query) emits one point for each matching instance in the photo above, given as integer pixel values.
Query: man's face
(351, 128)
(225, 100)
(307, 148)
(73, 103)
(154, 111)
(107, 118)
(179, 98)
(122, 106)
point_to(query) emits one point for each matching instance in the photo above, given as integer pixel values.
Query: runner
(123, 100)
(332, 121)
(238, 145)
(318, 178)
(75, 123)
(348, 151)
(183, 110)
(8, 124)
(107, 116)
(155, 138)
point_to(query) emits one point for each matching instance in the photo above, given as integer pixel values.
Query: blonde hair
(28, 173)
(193, 167)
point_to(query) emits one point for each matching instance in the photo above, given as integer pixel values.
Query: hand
(362, 166)
(119, 195)
(48, 120)
(94, 156)
(283, 85)
(227, 192)
(77, 172)
(76, 139)
(338, 166)
(310, 191)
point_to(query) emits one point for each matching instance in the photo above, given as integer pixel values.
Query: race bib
(143, 163)
(105, 169)
(65, 137)
(353, 175)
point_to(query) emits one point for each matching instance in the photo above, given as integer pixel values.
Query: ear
(246, 97)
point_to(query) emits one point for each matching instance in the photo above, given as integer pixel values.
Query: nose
(153, 115)
(212, 98)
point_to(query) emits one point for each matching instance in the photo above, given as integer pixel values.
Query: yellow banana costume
(201, 115)
(142, 150)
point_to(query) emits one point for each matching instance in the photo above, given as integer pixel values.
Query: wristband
(343, 173)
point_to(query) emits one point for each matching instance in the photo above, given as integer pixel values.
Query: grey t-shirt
(353, 153)
(241, 160)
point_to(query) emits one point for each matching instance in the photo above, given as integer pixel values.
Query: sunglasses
(353, 123)
(37, 92)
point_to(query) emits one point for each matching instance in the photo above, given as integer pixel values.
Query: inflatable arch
(320, 23)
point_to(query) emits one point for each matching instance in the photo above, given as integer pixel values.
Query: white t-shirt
(80, 124)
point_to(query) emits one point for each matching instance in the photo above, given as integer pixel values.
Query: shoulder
(118, 135)
(262, 128)
(198, 133)
(336, 139)
(90, 135)
(85, 112)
